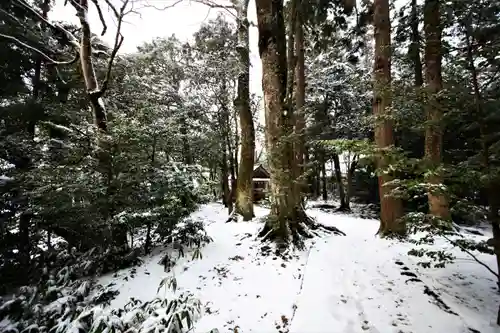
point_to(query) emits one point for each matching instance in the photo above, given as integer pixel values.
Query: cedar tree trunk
(438, 202)
(272, 48)
(391, 208)
(414, 51)
(244, 190)
(300, 95)
(287, 220)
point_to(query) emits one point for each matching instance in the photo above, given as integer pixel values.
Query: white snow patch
(348, 284)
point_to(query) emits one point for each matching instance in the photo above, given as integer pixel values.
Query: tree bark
(309, 175)
(391, 208)
(414, 51)
(225, 131)
(225, 178)
(317, 173)
(287, 220)
(236, 144)
(244, 191)
(232, 171)
(350, 175)
(492, 188)
(272, 48)
(324, 190)
(300, 95)
(88, 70)
(438, 202)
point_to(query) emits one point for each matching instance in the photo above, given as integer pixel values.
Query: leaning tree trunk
(391, 208)
(244, 190)
(438, 202)
(287, 219)
(88, 70)
(95, 94)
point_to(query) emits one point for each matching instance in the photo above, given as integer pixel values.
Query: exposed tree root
(233, 217)
(325, 206)
(343, 209)
(296, 230)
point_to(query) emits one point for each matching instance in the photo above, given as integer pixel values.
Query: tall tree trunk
(414, 51)
(213, 178)
(94, 94)
(438, 202)
(492, 188)
(287, 220)
(224, 117)
(244, 192)
(350, 175)
(340, 183)
(236, 144)
(317, 174)
(232, 172)
(309, 175)
(391, 208)
(300, 95)
(285, 210)
(324, 190)
(88, 70)
(225, 178)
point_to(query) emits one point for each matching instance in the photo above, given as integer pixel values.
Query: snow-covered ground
(348, 284)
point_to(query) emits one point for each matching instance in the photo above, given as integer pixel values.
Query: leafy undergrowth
(357, 283)
(68, 298)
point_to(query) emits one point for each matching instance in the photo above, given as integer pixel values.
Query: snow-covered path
(356, 283)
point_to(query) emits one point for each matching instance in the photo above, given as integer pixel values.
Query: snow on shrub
(190, 234)
(75, 311)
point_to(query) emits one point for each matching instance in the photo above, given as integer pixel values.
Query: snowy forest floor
(349, 284)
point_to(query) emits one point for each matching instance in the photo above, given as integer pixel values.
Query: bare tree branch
(34, 49)
(472, 255)
(56, 27)
(213, 4)
(101, 17)
(118, 43)
(148, 5)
